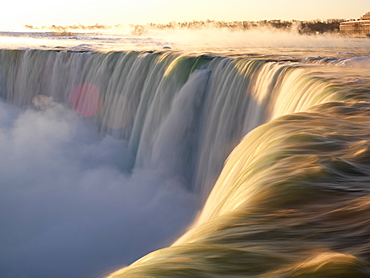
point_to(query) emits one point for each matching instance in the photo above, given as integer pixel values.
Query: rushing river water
(261, 155)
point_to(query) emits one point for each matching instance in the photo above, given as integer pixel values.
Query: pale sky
(111, 12)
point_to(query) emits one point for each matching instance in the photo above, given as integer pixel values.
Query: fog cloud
(69, 206)
(262, 37)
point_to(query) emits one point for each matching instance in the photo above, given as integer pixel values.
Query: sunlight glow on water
(86, 100)
(107, 155)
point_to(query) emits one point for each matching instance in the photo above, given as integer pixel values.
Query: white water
(112, 154)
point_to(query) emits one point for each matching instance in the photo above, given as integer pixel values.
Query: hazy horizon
(113, 12)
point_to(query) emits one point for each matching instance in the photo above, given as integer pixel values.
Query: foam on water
(108, 156)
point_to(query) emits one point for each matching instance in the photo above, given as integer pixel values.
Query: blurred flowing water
(109, 156)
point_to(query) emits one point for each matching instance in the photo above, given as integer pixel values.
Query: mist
(70, 207)
(202, 39)
(262, 37)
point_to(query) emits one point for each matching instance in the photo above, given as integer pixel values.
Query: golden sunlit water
(246, 158)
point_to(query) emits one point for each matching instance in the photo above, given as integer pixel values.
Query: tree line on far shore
(306, 27)
(303, 27)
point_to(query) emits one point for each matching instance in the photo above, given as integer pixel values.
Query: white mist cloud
(69, 207)
(204, 39)
(263, 37)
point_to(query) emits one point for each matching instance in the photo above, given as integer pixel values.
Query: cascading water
(130, 95)
(181, 116)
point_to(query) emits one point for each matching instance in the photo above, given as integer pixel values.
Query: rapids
(273, 151)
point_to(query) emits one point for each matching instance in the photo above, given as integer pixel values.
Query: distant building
(359, 27)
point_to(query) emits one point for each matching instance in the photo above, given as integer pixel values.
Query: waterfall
(258, 146)
(133, 95)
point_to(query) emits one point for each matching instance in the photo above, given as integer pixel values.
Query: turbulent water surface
(262, 157)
